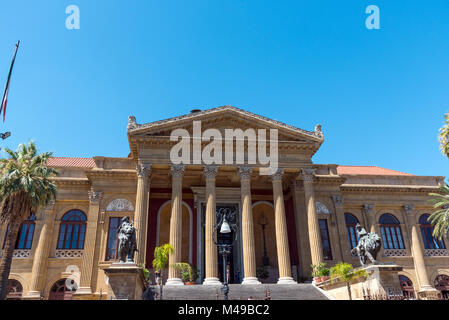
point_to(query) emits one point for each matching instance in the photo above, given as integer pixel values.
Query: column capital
(245, 173)
(408, 208)
(143, 170)
(307, 174)
(210, 172)
(50, 205)
(95, 197)
(338, 200)
(177, 170)
(367, 209)
(277, 176)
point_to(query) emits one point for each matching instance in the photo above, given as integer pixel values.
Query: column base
(428, 293)
(250, 280)
(174, 282)
(286, 280)
(32, 295)
(212, 282)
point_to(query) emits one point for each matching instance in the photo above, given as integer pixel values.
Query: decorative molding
(69, 254)
(210, 172)
(120, 205)
(95, 197)
(19, 253)
(177, 170)
(436, 253)
(368, 208)
(338, 200)
(245, 173)
(277, 176)
(143, 170)
(321, 208)
(408, 208)
(307, 174)
(395, 253)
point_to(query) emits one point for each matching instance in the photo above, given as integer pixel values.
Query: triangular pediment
(222, 118)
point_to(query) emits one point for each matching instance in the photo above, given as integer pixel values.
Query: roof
(71, 162)
(369, 170)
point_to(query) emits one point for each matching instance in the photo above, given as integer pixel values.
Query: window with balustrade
(430, 242)
(351, 222)
(390, 229)
(72, 230)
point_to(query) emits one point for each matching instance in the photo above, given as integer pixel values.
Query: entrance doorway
(234, 259)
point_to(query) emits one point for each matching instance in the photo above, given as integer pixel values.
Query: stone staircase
(301, 291)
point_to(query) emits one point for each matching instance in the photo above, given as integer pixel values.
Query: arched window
(351, 222)
(61, 291)
(430, 242)
(407, 287)
(25, 235)
(390, 229)
(13, 290)
(72, 230)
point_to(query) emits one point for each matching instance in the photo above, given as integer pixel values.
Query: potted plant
(189, 274)
(344, 272)
(320, 272)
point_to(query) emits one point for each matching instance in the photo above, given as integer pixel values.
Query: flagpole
(5, 94)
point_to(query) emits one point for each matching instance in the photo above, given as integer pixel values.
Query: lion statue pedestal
(125, 280)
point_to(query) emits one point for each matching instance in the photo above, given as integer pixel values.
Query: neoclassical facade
(302, 214)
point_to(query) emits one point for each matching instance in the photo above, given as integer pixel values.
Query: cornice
(387, 188)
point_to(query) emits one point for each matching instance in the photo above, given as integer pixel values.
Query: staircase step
(301, 291)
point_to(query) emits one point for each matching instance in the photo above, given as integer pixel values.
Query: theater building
(305, 213)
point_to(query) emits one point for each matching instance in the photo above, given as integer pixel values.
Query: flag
(5, 94)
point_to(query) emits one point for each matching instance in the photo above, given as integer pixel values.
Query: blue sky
(380, 95)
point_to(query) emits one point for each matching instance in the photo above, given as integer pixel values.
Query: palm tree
(160, 261)
(444, 136)
(440, 218)
(25, 185)
(344, 272)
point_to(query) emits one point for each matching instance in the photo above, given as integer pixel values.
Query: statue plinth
(126, 281)
(383, 279)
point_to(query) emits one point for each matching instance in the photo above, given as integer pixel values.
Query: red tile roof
(369, 170)
(71, 162)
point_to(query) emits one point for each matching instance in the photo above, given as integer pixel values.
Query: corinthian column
(426, 289)
(41, 254)
(316, 248)
(345, 249)
(85, 286)
(141, 212)
(285, 271)
(177, 172)
(210, 173)
(249, 254)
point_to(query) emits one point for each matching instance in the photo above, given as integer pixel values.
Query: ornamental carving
(210, 172)
(120, 205)
(436, 252)
(368, 208)
(307, 174)
(408, 208)
(143, 170)
(177, 170)
(245, 173)
(318, 131)
(321, 208)
(132, 123)
(69, 254)
(338, 200)
(95, 197)
(19, 254)
(395, 253)
(277, 176)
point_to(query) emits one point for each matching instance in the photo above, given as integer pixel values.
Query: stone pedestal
(383, 279)
(126, 281)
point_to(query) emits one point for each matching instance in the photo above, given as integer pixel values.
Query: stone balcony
(436, 253)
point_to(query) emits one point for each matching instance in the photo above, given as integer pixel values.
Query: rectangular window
(327, 252)
(111, 249)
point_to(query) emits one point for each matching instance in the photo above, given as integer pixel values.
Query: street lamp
(225, 225)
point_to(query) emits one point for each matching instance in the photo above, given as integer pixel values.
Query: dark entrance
(442, 283)
(234, 272)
